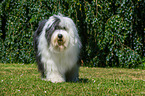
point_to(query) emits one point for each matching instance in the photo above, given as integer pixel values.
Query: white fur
(57, 63)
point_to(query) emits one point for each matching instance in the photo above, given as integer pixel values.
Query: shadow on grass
(83, 80)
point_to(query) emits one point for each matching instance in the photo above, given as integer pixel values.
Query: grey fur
(38, 57)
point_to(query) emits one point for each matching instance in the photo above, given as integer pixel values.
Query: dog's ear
(37, 32)
(40, 27)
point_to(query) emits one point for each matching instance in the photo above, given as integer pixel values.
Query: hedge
(112, 32)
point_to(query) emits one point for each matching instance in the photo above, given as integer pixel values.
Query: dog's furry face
(60, 40)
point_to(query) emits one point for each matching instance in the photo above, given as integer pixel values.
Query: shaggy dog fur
(57, 46)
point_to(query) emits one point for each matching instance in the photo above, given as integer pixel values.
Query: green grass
(18, 79)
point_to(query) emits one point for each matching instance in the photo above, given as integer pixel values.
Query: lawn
(21, 79)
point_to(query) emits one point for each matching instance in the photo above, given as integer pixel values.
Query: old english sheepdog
(57, 46)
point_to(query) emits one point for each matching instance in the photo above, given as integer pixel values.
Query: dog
(57, 46)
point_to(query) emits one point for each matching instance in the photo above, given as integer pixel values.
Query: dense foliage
(112, 32)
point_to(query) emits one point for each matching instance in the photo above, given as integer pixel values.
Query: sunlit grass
(21, 79)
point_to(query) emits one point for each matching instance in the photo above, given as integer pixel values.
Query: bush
(112, 32)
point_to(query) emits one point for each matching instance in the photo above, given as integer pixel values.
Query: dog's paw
(55, 78)
(57, 81)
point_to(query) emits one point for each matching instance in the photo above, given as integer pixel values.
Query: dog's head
(60, 32)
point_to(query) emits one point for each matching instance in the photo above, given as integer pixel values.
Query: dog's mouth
(60, 42)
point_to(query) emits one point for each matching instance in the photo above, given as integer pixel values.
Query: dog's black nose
(60, 36)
